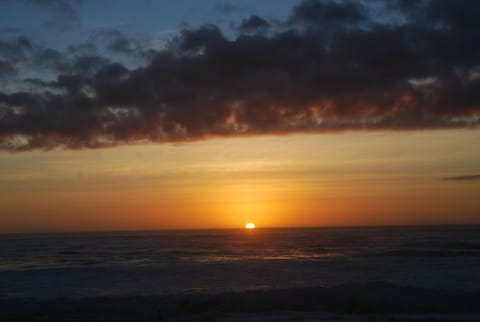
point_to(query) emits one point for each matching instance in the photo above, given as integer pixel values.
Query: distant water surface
(171, 262)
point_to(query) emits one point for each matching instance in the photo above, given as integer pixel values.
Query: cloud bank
(330, 66)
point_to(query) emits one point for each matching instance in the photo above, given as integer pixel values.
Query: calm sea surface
(171, 262)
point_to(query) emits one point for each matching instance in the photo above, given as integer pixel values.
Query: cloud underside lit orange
(303, 124)
(311, 74)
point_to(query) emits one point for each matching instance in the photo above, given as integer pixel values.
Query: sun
(250, 225)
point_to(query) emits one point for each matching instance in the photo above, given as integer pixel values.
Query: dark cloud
(328, 13)
(463, 178)
(254, 23)
(7, 69)
(118, 42)
(332, 66)
(17, 49)
(84, 49)
(22, 51)
(463, 15)
(406, 6)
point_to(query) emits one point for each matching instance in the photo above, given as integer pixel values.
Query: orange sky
(353, 178)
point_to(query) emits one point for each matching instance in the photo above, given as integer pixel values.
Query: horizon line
(235, 228)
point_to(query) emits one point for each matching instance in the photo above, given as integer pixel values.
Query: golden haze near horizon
(345, 179)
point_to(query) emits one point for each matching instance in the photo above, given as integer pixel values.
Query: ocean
(206, 263)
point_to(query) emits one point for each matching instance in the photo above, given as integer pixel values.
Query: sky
(144, 115)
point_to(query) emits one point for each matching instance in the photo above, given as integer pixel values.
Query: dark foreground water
(398, 262)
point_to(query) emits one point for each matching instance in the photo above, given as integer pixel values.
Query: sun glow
(250, 225)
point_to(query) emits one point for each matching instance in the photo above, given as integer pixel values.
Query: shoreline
(373, 301)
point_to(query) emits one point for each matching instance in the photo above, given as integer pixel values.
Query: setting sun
(250, 225)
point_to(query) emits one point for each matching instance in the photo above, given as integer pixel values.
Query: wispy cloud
(64, 13)
(473, 177)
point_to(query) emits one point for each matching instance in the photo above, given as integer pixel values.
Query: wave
(379, 301)
(69, 253)
(426, 253)
(443, 245)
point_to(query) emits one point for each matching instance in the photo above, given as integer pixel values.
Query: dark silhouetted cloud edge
(330, 66)
(473, 177)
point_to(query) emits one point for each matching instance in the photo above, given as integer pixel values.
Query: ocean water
(77, 265)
